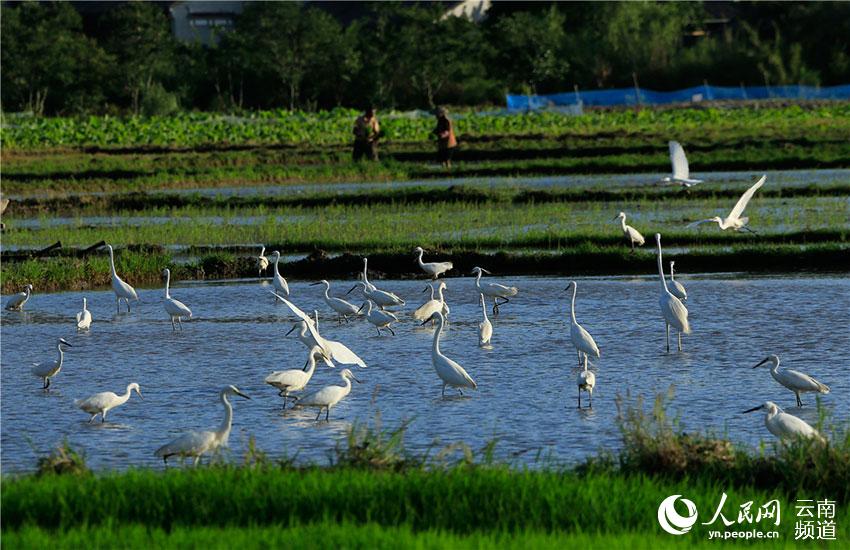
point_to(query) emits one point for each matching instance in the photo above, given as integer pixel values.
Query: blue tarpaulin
(632, 96)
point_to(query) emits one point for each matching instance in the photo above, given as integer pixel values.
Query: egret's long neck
(61, 354)
(276, 260)
(431, 288)
(365, 268)
(368, 307)
(123, 398)
(112, 262)
(440, 294)
(84, 302)
(327, 288)
(346, 385)
(573, 305)
(224, 431)
(623, 222)
(484, 310)
(437, 334)
(421, 252)
(167, 283)
(660, 268)
(311, 367)
(671, 273)
(478, 280)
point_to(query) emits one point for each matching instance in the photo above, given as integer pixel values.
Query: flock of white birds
(436, 311)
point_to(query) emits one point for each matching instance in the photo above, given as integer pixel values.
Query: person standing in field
(366, 134)
(446, 140)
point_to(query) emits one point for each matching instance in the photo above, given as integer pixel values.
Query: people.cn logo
(671, 521)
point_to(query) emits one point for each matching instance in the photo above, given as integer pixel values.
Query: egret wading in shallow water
(102, 403)
(672, 309)
(677, 288)
(49, 369)
(287, 381)
(280, 284)
(84, 317)
(379, 318)
(175, 308)
(734, 220)
(17, 301)
(681, 173)
(327, 397)
(794, 380)
(342, 308)
(382, 298)
(122, 290)
(449, 371)
(262, 262)
(586, 380)
(434, 269)
(633, 236)
(427, 309)
(582, 340)
(485, 327)
(784, 425)
(493, 290)
(197, 444)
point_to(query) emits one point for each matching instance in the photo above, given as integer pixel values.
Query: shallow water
(527, 392)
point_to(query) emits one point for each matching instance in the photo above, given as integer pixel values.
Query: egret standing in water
(677, 288)
(783, 425)
(379, 318)
(449, 371)
(262, 262)
(734, 220)
(49, 369)
(342, 308)
(102, 403)
(632, 235)
(366, 275)
(122, 290)
(681, 173)
(175, 308)
(794, 380)
(287, 381)
(672, 309)
(485, 328)
(427, 309)
(84, 317)
(582, 340)
(586, 380)
(196, 444)
(17, 301)
(434, 269)
(493, 290)
(382, 298)
(280, 284)
(327, 397)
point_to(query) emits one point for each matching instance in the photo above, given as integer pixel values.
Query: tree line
(406, 55)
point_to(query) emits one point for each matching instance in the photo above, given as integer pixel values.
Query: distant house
(203, 22)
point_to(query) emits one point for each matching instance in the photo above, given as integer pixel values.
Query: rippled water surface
(527, 392)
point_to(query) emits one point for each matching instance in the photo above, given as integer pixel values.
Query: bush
(157, 101)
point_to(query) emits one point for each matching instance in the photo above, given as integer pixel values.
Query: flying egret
(196, 444)
(427, 309)
(175, 308)
(262, 262)
(17, 301)
(734, 220)
(434, 269)
(586, 380)
(49, 369)
(794, 380)
(327, 397)
(287, 381)
(449, 371)
(330, 349)
(379, 317)
(102, 403)
(122, 290)
(681, 174)
(342, 308)
(84, 318)
(784, 425)
(485, 328)
(632, 235)
(279, 282)
(677, 288)
(493, 290)
(674, 311)
(582, 340)
(382, 298)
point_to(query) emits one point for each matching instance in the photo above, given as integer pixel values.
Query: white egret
(49, 369)
(196, 444)
(331, 349)
(84, 317)
(342, 308)
(633, 236)
(794, 380)
(586, 381)
(784, 425)
(122, 290)
(287, 381)
(16, 302)
(379, 317)
(674, 311)
(262, 262)
(493, 290)
(175, 308)
(681, 173)
(449, 371)
(280, 284)
(434, 269)
(734, 220)
(677, 288)
(327, 397)
(102, 403)
(582, 340)
(365, 274)
(485, 328)
(427, 309)
(382, 298)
